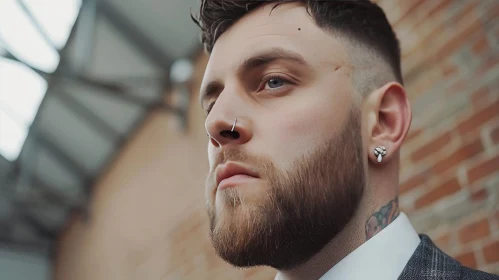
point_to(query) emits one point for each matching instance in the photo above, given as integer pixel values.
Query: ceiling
(112, 73)
(166, 22)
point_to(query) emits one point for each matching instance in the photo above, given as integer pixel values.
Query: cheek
(296, 129)
(294, 134)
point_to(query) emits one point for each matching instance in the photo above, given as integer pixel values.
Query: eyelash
(264, 81)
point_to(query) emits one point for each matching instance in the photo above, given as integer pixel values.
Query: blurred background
(103, 147)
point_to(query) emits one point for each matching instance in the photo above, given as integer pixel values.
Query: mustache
(260, 164)
(227, 154)
(232, 154)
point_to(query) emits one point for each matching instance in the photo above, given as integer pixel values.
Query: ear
(389, 120)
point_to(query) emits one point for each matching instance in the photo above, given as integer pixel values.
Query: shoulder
(429, 262)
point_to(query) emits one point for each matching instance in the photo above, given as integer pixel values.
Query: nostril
(230, 134)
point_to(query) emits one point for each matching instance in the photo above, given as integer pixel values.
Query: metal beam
(95, 121)
(84, 43)
(109, 88)
(42, 230)
(134, 35)
(40, 247)
(51, 195)
(119, 91)
(66, 160)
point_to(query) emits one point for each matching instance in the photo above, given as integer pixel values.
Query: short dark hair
(361, 21)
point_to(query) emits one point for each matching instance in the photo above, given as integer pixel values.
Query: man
(306, 114)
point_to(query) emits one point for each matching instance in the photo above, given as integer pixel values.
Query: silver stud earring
(380, 151)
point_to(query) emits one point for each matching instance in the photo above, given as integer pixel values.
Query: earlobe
(393, 112)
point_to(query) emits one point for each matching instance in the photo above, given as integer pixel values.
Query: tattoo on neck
(379, 220)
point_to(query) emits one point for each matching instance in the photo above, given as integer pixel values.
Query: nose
(225, 130)
(229, 120)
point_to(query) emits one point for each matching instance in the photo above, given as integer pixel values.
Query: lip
(232, 169)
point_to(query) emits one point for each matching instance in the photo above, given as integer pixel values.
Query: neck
(369, 220)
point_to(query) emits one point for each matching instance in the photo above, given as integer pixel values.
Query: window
(56, 17)
(32, 31)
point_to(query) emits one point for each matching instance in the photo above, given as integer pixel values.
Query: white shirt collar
(384, 256)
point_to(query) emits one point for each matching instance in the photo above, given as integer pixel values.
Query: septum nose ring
(233, 125)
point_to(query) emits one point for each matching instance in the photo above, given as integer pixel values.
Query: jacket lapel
(430, 263)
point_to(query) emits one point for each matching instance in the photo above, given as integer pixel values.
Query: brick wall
(148, 218)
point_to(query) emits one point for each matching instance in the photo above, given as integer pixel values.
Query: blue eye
(274, 83)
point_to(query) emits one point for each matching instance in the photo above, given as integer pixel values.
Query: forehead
(288, 26)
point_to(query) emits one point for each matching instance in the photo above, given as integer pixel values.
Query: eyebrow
(269, 56)
(258, 60)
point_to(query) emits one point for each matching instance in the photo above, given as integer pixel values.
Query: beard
(304, 208)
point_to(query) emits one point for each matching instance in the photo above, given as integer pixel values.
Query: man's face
(288, 82)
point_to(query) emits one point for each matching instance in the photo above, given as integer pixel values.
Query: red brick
(438, 52)
(488, 65)
(431, 147)
(479, 195)
(414, 50)
(443, 4)
(479, 95)
(410, 7)
(495, 135)
(413, 182)
(467, 259)
(491, 252)
(474, 231)
(443, 241)
(427, 37)
(464, 32)
(483, 169)
(425, 83)
(481, 45)
(459, 156)
(449, 70)
(457, 87)
(493, 12)
(447, 188)
(481, 117)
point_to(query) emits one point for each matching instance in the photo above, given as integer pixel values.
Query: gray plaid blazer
(430, 263)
